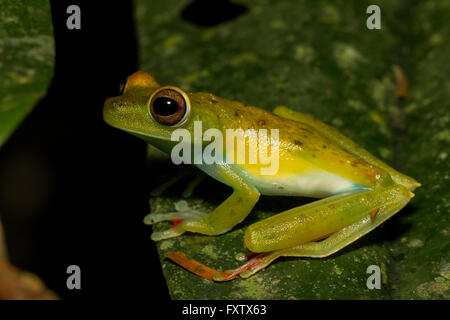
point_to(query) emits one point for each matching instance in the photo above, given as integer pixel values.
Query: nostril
(110, 105)
(119, 104)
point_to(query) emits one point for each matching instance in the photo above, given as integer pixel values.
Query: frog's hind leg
(346, 144)
(367, 210)
(396, 197)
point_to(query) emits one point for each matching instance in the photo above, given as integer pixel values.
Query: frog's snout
(111, 104)
(107, 103)
(110, 110)
(124, 114)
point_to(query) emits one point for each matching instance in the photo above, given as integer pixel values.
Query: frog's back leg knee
(346, 143)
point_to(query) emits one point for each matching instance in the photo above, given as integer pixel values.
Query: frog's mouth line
(143, 136)
(133, 132)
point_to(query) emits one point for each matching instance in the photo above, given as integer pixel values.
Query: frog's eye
(170, 106)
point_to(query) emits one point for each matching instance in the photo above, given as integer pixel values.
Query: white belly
(314, 183)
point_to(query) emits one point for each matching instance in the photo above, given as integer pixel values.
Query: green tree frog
(357, 191)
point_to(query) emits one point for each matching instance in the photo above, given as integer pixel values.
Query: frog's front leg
(232, 211)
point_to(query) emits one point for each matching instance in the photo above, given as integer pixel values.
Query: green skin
(306, 145)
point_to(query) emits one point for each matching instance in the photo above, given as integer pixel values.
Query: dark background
(72, 189)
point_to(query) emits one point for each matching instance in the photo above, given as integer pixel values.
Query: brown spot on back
(374, 213)
(322, 237)
(371, 172)
(306, 130)
(298, 143)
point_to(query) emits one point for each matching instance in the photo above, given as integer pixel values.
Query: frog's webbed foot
(257, 262)
(183, 213)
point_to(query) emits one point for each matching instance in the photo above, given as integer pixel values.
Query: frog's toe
(166, 234)
(259, 262)
(171, 216)
(177, 218)
(155, 217)
(183, 213)
(242, 256)
(174, 231)
(253, 265)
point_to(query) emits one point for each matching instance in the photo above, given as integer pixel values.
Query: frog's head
(152, 112)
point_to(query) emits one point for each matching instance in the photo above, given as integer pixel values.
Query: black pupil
(165, 106)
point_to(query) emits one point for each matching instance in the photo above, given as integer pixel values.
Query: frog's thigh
(230, 212)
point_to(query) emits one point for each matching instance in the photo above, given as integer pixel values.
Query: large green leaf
(26, 59)
(318, 57)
